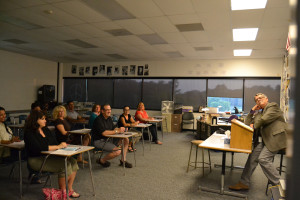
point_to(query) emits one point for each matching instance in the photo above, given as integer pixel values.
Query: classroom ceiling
(119, 30)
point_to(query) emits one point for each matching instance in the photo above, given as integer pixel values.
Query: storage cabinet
(176, 122)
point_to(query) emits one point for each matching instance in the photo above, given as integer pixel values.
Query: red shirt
(143, 114)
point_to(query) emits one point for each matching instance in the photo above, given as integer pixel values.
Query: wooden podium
(241, 135)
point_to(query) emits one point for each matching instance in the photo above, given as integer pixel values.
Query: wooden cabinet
(176, 122)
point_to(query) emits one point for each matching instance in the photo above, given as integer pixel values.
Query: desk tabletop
(216, 141)
(123, 135)
(141, 125)
(81, 131)
(155, 120)
(15, 145)
(69, 152)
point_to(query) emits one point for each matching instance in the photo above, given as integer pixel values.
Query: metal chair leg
(196, 158)
(209, 160)
(202, 161)
(187, 170)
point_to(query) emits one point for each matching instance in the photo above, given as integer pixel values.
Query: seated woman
(127, 121)
(62, 127)
(38, 138)
(95, 113)
(142, 116)
(6, 136)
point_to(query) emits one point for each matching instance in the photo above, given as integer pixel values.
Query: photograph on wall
(74, 69)
(146, 70)
(109, 70)
(81, 71)
(87, 70)
(132, 70)
(117, 70)
(140, 70)
(95, 70)
(102, 69)
(124, 70)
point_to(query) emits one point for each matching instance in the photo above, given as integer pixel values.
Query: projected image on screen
(225, 104)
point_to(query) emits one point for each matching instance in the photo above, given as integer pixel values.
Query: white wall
(195, 68)
(21, 76)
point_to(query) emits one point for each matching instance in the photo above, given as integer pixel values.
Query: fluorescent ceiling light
(242, 52)
(248, 4)
(244, 34)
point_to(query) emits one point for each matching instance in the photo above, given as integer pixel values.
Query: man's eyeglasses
(259, 98)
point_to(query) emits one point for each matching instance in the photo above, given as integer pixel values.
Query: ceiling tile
(247, 18)
(58, 15)
(135, 26)
(272, 33)
(106, 25)
(144, 8)
(86, 13)
(196, 36)
(185, 19)
(160, 24)
(173, 37)
(174, 7)
(276, 17)
(204, 6)
(133, 40)
(89, 30)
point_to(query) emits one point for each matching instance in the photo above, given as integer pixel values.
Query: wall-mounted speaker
(46, 93)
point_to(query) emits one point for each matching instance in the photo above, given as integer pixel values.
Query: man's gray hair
(260, 94)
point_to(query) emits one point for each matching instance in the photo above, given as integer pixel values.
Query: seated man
(73, 117)
(266, 117)
(103, 126)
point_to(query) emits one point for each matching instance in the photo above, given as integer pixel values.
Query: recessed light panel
(242, 52)
(248, 4)
(244, 34)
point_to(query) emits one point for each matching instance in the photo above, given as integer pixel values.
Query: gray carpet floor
(159, 174)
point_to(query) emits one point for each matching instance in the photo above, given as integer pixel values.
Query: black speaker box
(46, 93)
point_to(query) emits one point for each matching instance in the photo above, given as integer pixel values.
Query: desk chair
(196, 143)
(39, 174)
(282, 153)
(188, 118)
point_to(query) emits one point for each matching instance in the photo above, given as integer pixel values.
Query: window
(127, 92)
(100, 91)
(74, 90)
(190, 92)
(155, 91)
(225, 94)
(270, 87)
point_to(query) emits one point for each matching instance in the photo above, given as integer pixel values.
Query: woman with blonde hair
(62, 127)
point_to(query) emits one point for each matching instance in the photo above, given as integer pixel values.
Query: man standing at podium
(267, 120)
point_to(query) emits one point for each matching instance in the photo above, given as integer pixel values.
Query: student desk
(19, 146)
(216, 142)
(81, 132)
(124, 136)
(16, 126)
(67, 154)
(143, 126)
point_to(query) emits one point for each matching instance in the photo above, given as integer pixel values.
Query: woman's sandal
(74, 194)
(131, 150)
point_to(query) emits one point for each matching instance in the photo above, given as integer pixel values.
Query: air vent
(80, 43)
(119, 32)
(152, 39)
(190, 27)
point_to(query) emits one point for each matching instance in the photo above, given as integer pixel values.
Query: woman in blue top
(95, 113)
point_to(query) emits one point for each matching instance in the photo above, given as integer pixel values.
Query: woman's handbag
(54, 194)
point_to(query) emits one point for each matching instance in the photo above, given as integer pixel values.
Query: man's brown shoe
(239, 186)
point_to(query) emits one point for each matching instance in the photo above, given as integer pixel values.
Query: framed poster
(81, 71)
(74, 69)
(140, 70)
(109, 70)
(102, 69)
(95, 70)
(124, 70)
(132, 70)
